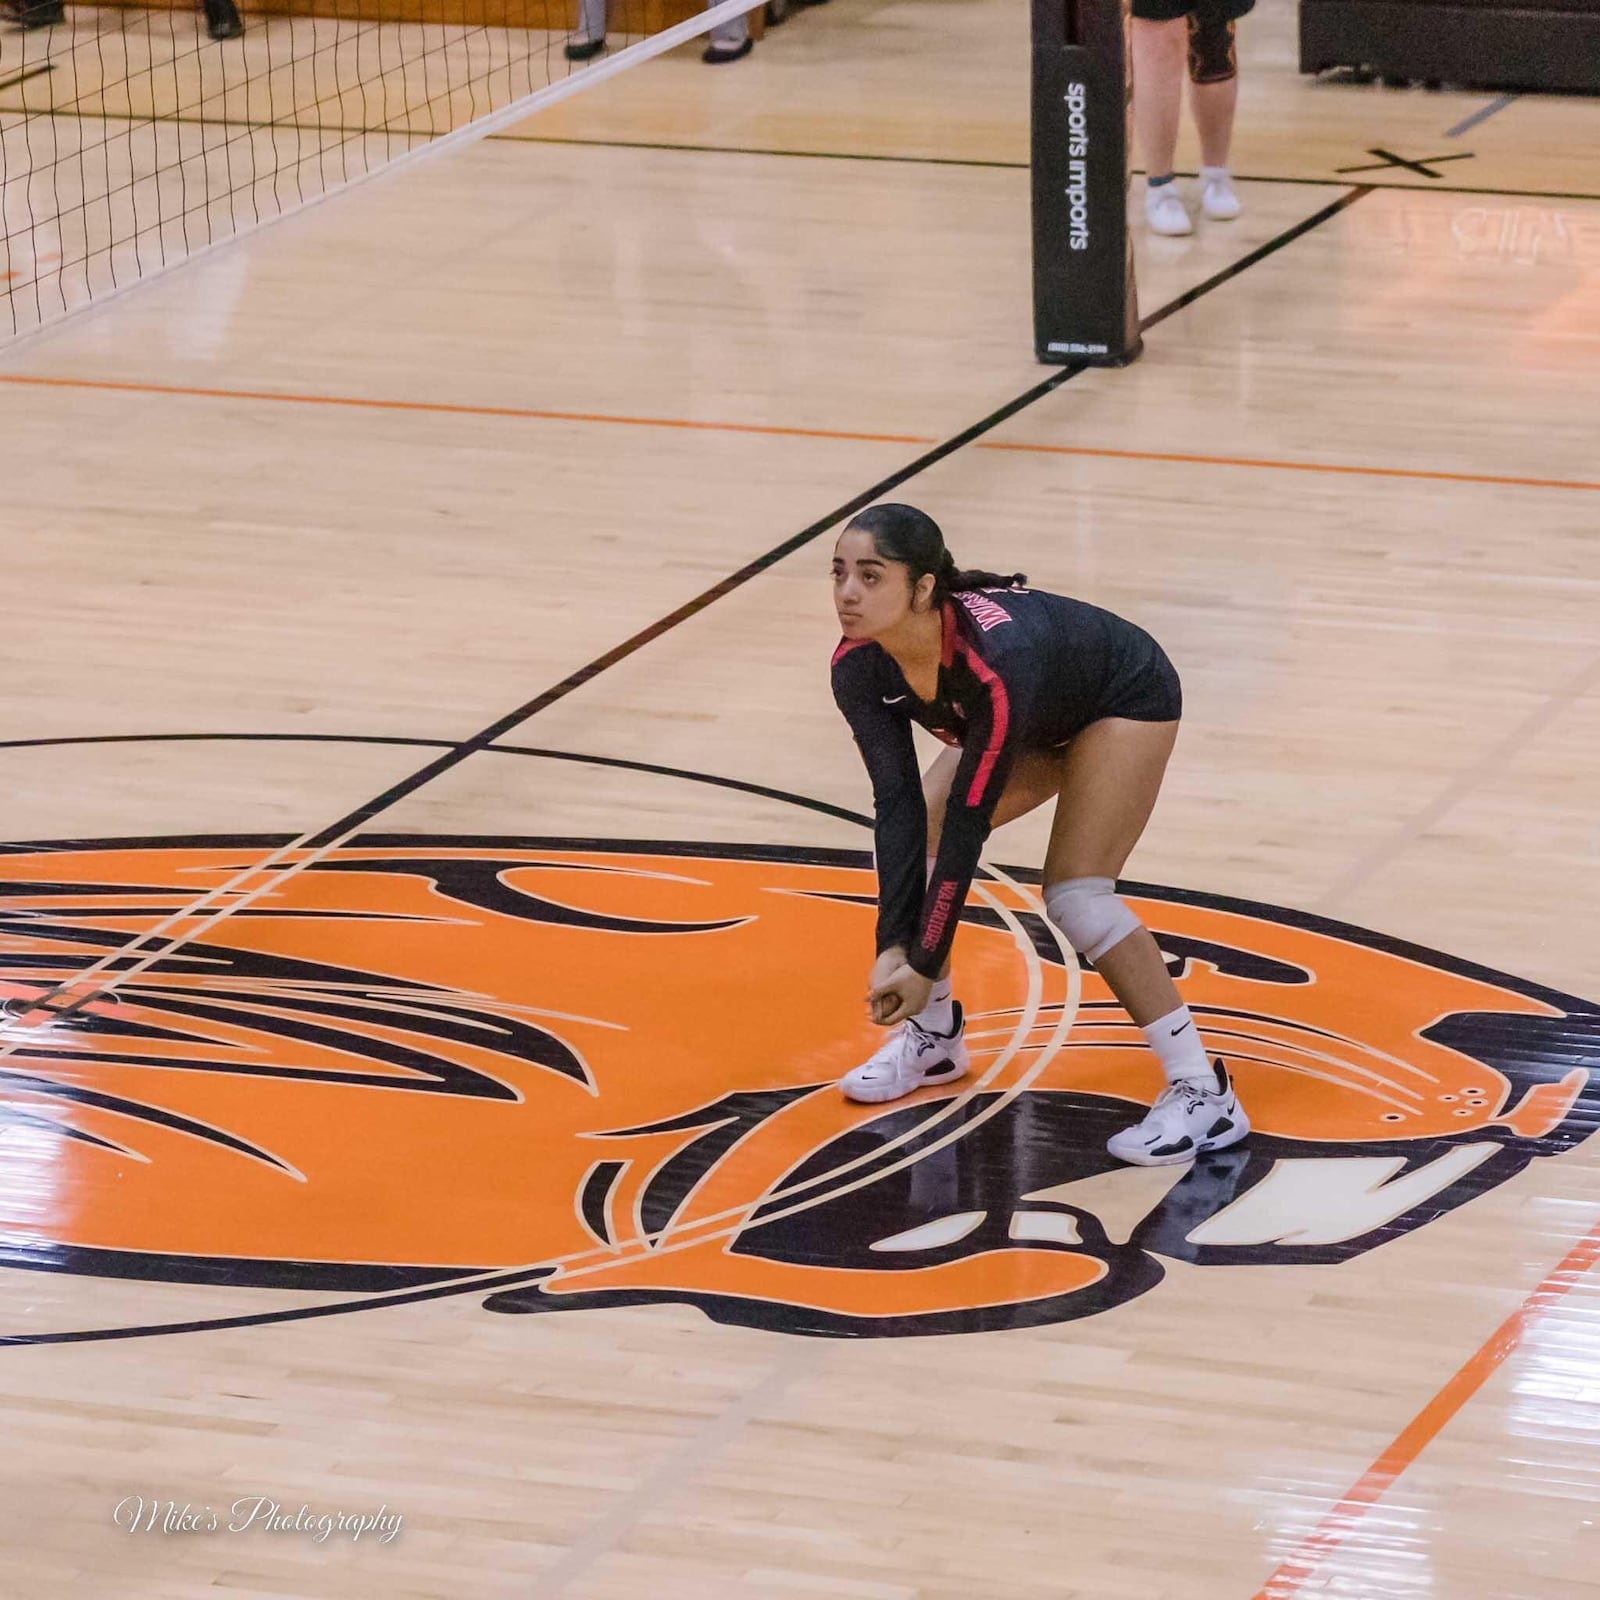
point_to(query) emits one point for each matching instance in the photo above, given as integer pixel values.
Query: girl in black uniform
(1039, 698)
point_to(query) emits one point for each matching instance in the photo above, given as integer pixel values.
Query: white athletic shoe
(913, 1057)
(1165, 211)
(1218, 200)
(1186, 1119)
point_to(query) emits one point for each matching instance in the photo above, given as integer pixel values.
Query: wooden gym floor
(328, 507)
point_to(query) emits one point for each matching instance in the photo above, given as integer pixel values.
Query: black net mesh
(130, 139)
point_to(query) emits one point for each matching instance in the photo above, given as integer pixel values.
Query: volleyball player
(1039, 698)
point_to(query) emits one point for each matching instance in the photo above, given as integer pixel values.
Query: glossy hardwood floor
(343, 497)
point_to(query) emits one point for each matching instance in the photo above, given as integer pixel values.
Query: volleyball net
(132, 139)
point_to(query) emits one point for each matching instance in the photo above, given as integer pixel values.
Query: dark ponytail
(912, 537)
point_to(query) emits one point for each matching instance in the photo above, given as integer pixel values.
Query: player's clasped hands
(895, 990)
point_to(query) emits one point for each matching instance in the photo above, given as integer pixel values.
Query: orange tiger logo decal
(423, 1060)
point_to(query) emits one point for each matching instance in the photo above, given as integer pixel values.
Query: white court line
(19, 1023)
(655, 1245)
(738, 1217)
(105, 963)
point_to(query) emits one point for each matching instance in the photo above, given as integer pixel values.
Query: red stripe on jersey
(947, 634)
(845, 647)
(999, 722)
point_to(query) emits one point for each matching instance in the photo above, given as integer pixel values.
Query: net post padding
(1085, 311)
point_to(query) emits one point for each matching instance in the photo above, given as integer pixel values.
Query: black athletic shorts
(1143, 684)
(1206, 10)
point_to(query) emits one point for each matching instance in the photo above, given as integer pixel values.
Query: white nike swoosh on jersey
(896, 699)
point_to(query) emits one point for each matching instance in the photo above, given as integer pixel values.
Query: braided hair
(912, 537)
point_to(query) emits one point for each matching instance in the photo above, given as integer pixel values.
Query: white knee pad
(1088, 911)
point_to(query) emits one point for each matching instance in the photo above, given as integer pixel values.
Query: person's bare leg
(1160, 54)
(1213, 98)
(1111, 778)
(1105, 784)
(1213, 105)
(1160, 58)
(1110, 781)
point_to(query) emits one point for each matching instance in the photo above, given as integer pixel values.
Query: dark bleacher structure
(1478, 44)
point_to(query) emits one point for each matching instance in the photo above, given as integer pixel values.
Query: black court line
(691, 608)
(765, 791)
(68, 114)
(1022, 166)
(1444, 188)
(1271, 247)
(752, 569)
(32, 72)
(750, 150)
(1421, 165)
(454, 756)
(259, 1319)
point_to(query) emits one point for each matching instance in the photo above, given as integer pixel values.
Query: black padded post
(1084, 305)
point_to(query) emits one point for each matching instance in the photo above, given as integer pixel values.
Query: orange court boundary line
(1423, 1428)
(444, 408)
(1268, 463)
(775, 430)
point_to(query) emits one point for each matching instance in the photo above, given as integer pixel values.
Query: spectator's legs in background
(728, 41)
(1213, 96)
(222, 19)
(589, 37)
(1160, 52)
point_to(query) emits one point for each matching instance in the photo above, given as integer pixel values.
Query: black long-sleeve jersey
(1020, 670)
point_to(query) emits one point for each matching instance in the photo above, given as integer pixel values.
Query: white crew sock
(939, 1016)
(1214, 175)
(1177, 1041)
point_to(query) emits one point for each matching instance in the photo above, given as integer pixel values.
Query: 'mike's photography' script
(139, 1515)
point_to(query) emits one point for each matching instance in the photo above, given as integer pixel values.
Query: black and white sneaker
(1188, 1117)
(914, 1056)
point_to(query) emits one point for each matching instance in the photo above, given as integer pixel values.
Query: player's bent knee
(1088, 911)
(1213, 53)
